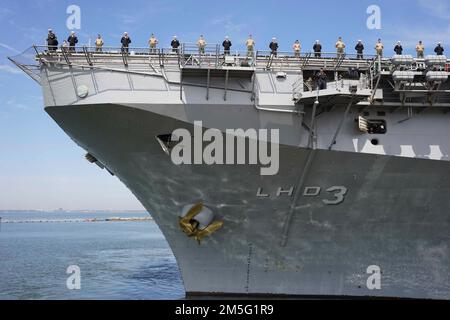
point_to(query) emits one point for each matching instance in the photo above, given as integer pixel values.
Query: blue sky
(41, 168)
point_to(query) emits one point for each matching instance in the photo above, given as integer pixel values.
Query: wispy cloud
(437, 8)
(128, 21)
(7, 47)
(4, 12)
(9, 69)
(229, 25)
(411, 35)
(14, 103)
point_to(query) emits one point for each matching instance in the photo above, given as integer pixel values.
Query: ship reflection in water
(123, 260)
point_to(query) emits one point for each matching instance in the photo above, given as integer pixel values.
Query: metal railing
(210, 56)
(214, 56)
(289, 60)
(300, 86)
(189, 55)
(310, 54)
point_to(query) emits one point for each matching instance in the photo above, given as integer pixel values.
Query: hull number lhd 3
(331, 196)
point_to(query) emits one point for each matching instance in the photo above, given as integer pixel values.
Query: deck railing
(211, 56)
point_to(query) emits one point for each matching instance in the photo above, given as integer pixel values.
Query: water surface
(118, 260)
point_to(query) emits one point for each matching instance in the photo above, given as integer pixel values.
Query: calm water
(118, 260)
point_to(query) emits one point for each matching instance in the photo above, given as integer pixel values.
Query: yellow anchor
(190, 226)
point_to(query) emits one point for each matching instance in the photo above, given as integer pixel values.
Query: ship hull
(395, 213)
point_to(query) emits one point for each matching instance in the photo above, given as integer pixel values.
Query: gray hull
(395, 213)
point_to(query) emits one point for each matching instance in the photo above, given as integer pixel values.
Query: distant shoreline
(72, 211)
(93, 220)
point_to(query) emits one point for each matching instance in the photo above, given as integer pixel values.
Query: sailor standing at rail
(317, 49)
(359, 50)
(250, 43)
(379, 48)
(274, 47)
(175, 44)
(227, 45)
(340, 46)
(52, 41)
(201, 43)
(297, 48)
(420, 49)
(398, 48)
(99, 44)
(153, 42)
(72, 40)
(439, 50)
(125, 41)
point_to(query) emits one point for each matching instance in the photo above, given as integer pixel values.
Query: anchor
(195, 228)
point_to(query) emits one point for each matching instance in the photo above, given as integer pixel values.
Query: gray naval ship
(360, 204)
